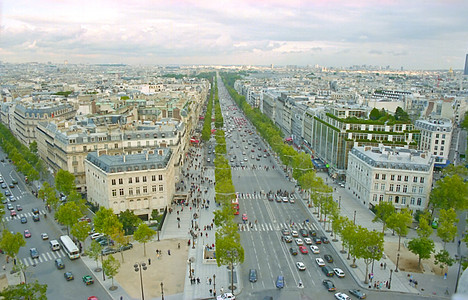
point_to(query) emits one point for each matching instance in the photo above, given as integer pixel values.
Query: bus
(235, 205)
(70, 248)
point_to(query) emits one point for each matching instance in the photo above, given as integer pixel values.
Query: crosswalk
(254, 196)
(276, 226)
(19, 215)
(250, 168)
(43, 257)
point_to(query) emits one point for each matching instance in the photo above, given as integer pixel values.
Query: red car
(244, 217)
(27, 234)
(12, 213)
(303, 249)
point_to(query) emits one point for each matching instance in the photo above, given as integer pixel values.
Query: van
(280, 282)
(253, 275)
(328, 271)
(54, 245)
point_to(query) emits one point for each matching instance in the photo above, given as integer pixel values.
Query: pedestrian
(381, 266)
(168, 252)
(149, 261)
(198, 280)
(385, 266)
(4, 267)
(445, 275)
(211, 292)
(209, 280)
(178, 245)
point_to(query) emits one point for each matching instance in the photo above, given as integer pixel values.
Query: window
(113, 182)
(130, 191)
(406, 178)
(376, 186)
(120, 180)
(391, 187)
(382, 187)
(412, 201)
(403, 200)
(392, 177)
(419, 201)
(377, 176)
(130, 180)
(145, 189)
(154, 189)
(121, 191)
(161, 188)
(398, 188)
(153, 178)
(144, 178)
(137, 190)
(436, 142)
(413, 189)
(374, 198)
(384, 176)
(422, 180)
(421, 189)
(160, 177)
(399, 178)
(405, 188)
(390, 198)
(137, 179)
(380, 198)
(114, 193)
(415, 179)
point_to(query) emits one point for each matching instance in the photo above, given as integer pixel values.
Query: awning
(442, 164)
(194, 141)
(318, 164)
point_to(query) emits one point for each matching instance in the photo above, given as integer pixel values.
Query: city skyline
(412, 35)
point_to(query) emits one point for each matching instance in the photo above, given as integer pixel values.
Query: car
(126, 247)
(315, 249)
(357, 293)
(285, 232)
(10, 206)
(328, 271)
(320, 262)
(34, 253)
(93, 298)
(435, 223)
(35, 211)
(24, 220)
(14, 181)
(299, 242)
(329, 285)
(27, 233)
(4, 185)
(68, 276)
(312, 233)
(253, 275)
(87, 279)
(108, 250)
(307, 241)
(11, 186)
(4, 201)
(96, 235)
(291, 200)
(244, 217)
(293, 251)
(7, 193)
(303, 249)
(18, 207)
(303, 232)
(36, 218)
(12, 213)
(226, 296)
(288, 239)
(285, 199)
(106, 242)
(294, 233)
(280, 282)
(317, 241)
(325, 240)
(12, 198)
(328, 258)
(59, 263)
(300, 266)
(339, 272)
(44, 236)
(342, 296)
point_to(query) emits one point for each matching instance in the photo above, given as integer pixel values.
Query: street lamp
(397, 261)
(162, 291)
(190, 267)
(354, 219)
(214, 284)
(458, 274)
(339, 203)
(138, 267)
(390, 281)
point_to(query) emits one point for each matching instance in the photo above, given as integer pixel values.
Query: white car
(308, 241)
(96, 235)
(300, 266)
(226, 296)
(320, 262)
(285, 199)
(294, 233)
(339, 272)
(342, 296)
(44, 236)
(314, 249)
(299, 242)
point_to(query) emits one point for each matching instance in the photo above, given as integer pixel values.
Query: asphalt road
(264, 249)
(43, 268)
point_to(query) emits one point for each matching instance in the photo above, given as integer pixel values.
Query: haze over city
(409, 34)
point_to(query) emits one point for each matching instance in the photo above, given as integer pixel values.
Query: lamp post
(458, 274)
(138, 267)
(354, 219)
(232, 254)
(397, 261)
(162, 291)
(190, 267)
(390, 280)
(339, 203)
(214, 284)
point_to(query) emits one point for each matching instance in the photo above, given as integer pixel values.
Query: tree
(106, 221)
(424, 228)
(143, 235)
(338, 223)
(119, 238)
(374, 114)
(401, 115)
(370, 247)
(2, 211)
(94, 251)
(383, 211)
(33, 147)
(80, 230)
(450, 191)
(11, 243)
(31, 291)
(447, 229)
(111, 267)
(423, 247)
(74, 196)
(443, 259)
(400, 222)
(65, 182)
(68, 214)
(129, 221)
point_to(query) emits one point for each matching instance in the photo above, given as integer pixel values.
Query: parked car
(126, 247)
(108, 250)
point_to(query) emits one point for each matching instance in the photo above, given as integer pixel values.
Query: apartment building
(139, 182)
(400, 176)
(436, 137)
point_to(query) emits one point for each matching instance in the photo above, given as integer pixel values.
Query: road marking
(49, 255)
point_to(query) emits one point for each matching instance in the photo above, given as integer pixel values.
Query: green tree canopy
(143, 235)
(422, 247)
(106, 221)
(424, 228)
(31, 291)
(111, 267)
(65, 182)
(68, 214)
(400, 223)
(129, 221)
(94, 251)
(450, 191)
(383, 211)
(447, 229)
(11, 243)
(80, 230)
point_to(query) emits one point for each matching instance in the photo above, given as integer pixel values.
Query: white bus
(70, 248)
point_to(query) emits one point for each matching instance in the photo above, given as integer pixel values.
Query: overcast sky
(410, 33)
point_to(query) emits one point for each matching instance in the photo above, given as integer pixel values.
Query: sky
(413, 34)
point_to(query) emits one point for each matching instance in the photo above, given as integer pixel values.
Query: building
(139, 182)
(400, 176)
(436, 138)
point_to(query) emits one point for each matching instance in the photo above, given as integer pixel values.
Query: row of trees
(206, 130)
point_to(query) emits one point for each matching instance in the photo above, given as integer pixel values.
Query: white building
(138, 182)
(436, 137)
(400, 176)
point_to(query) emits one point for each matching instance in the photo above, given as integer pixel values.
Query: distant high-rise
(466, 66)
